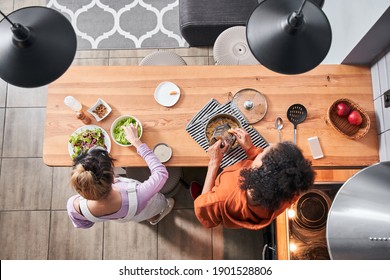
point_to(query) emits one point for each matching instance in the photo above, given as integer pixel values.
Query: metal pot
(358, 225)
(216, 117)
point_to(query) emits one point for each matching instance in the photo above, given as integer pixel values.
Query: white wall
(350, 21)
(380, 73)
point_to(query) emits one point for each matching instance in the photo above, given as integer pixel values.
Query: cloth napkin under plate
(197, 125)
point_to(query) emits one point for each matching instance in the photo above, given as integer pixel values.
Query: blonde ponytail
(84, 182)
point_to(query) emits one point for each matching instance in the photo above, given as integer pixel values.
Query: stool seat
(231, 48)
(171, 186)
(162, 58)
(201, 21)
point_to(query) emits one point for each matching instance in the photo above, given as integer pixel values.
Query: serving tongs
(221, 132)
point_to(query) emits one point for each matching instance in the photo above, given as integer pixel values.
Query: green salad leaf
(119, 133)
(85, 140)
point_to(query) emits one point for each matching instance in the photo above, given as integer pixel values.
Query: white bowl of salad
(117, 132)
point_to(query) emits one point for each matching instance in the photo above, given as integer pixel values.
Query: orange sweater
(226, 203)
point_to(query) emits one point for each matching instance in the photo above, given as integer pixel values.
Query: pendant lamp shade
(37, 46)
(289, 36)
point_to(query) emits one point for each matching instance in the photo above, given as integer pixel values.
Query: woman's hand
(131, 132)
(216, 152)
(243, 138)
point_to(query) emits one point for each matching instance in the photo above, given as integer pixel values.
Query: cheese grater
(222, 132)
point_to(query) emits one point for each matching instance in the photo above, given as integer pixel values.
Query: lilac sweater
(145, 190)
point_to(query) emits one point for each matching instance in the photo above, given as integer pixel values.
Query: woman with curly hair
(103, 197)
(253, 192)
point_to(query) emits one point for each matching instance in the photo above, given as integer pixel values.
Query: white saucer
(163, 95)
(163, 152)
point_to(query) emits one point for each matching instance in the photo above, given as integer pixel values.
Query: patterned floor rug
(123, 24)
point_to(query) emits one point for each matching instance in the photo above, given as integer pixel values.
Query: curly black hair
(284, 173)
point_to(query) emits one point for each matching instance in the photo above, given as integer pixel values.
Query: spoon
(279, 126)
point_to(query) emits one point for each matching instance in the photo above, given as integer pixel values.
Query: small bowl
(163, 152)
(100, 103)
(121, 120)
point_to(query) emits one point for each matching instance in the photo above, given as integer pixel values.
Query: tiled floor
(33, 220)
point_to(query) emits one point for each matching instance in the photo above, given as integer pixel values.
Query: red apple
(343, 109)
(355, 118)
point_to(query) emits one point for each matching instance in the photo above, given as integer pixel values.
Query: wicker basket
(342, 125)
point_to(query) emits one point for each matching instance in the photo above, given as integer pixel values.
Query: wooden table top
(130, 90)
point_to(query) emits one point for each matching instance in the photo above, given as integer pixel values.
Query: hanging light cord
(295, 20)
(22, 35)
(13, 24)
(301, 8)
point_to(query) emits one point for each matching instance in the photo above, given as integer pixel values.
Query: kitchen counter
(130, 90)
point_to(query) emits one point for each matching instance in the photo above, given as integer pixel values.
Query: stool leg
(184, 183)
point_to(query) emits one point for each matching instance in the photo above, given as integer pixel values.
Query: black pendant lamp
(37, 46)
(289, 36)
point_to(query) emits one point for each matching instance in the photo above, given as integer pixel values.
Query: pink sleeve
(78, 220)
(155, 182)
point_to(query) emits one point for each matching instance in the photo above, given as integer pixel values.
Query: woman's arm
(215, 153)
(159, 173)
(212, 172)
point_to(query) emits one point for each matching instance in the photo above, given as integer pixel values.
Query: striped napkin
(197, 125)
